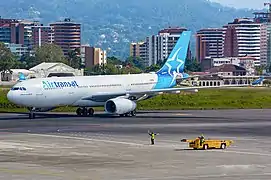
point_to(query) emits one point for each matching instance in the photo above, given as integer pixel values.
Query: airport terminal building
(42, 70)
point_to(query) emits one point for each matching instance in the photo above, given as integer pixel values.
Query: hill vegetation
(113, 24)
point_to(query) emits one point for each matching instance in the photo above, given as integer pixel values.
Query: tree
(74, 59)
(49, 53)
(7, 60)
(29, 61)
(136, 62)
(192, 65)
(153, 68)
(114, 60)
(259, 69)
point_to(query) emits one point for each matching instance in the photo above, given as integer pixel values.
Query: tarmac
(58, 146)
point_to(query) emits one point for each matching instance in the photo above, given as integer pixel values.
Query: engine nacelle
(119, 106)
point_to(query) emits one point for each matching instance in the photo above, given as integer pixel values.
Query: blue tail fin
(21, 77)
(176, 60)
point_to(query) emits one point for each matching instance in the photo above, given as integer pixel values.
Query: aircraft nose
(10, 96)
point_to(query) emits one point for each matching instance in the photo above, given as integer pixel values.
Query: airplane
(118, 94)
(258, 81)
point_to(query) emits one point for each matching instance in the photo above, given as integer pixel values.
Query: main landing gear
(129, 114)
(32, 115)
(84, 112)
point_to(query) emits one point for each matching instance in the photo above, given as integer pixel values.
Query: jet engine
(119, 106)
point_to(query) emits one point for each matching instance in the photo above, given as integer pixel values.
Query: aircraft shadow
(41, 115)
(187, 149)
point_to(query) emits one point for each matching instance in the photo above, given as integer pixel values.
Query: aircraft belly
(88, 103)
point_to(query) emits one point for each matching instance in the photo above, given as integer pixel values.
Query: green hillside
(113, 24)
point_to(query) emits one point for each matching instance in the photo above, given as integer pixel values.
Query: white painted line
(242, 152)
(182, 114)
(88, 139)
(205, 176)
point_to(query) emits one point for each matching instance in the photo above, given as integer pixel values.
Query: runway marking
(204, 176)
(179, 114)
(88, 139)
(243, 152)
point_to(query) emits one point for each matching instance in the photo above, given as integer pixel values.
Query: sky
(254, 4)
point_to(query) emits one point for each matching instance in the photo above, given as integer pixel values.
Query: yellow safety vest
(152, 136)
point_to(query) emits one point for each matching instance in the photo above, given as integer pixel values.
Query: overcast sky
(255, 4)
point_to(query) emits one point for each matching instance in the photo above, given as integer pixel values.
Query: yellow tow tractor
(205, 144)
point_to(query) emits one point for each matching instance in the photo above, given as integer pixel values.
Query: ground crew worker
(202, 139)
(152, 134)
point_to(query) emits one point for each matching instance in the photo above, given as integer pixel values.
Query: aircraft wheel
(79, 111)
(133, 113)
(90, 111)
(223, 146)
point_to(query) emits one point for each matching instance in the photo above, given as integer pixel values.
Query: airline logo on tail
(176, 60)
(175, 63)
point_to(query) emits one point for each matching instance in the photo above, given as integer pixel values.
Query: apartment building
(157, 47)
(41, 35)
(209, 43)
(244, 37)
(139, 49)
(67, 35)
(92, 56)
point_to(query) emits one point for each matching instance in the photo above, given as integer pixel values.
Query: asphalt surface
(63, 146)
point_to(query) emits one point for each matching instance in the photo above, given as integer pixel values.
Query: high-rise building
(67, 35)
(92, 56)
(244, 37)
(157, 47)
(139, 49)
(18, 49)
(268, 26)
(209, 43)
(41, 35)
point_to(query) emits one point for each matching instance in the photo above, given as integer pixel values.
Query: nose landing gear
(31, 114)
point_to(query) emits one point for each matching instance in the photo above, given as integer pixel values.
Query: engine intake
(119, 106)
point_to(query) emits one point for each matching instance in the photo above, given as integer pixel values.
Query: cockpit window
(18, 88)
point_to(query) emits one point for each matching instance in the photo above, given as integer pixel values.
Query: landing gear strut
(31, 114)
(84, 112)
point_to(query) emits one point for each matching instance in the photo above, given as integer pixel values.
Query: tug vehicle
(201, 143)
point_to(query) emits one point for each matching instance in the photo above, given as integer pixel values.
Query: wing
(138, 95)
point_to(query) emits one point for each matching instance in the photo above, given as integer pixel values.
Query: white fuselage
(63, 91)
